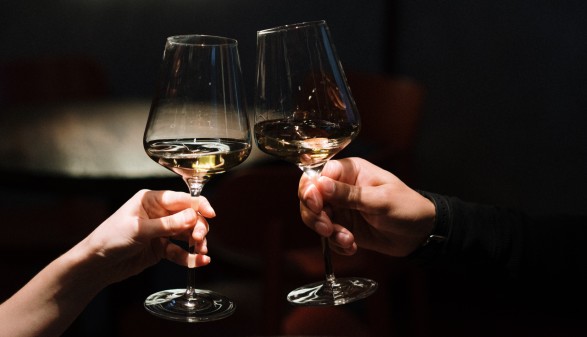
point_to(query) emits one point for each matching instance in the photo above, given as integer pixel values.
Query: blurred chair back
(390, 109)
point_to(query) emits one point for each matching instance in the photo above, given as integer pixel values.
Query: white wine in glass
(197, 127)
(305, 114)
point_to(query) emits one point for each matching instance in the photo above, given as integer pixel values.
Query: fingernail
(312, 202)
(199, 235)
(212, 211)
(342, 237)
(327, 185)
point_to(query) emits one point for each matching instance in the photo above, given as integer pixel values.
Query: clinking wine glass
(197, 127)
(305, 114)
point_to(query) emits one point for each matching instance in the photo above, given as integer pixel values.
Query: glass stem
(327, 260)
(314, 173)
(195, 185)
(191, 286)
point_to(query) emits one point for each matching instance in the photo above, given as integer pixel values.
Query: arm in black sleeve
(546, 248)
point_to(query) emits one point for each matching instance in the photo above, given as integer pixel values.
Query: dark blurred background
(485, 100)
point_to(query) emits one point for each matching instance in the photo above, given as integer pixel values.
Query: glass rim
(292, 26)
(201, 40)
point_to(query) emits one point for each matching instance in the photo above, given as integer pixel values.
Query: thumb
(338, 194)
(170, 225)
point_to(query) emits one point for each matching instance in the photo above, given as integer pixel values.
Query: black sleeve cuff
(441, 231)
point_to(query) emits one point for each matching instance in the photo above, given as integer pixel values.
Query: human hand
(355, 203)
(138, 234)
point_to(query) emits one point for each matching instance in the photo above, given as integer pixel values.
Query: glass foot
(196, 306)
(332, 292)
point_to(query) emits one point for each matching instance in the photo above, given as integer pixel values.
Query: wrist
(439, 232)
(85, 264)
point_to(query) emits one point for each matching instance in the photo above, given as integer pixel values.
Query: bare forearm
(50, 301)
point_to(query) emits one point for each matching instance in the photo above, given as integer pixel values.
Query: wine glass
(305, 114)
(197, 127)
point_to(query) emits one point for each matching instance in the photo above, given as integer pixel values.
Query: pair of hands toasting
(353, 203)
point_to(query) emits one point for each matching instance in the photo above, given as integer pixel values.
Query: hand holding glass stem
(198, 127)
(305, 114)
